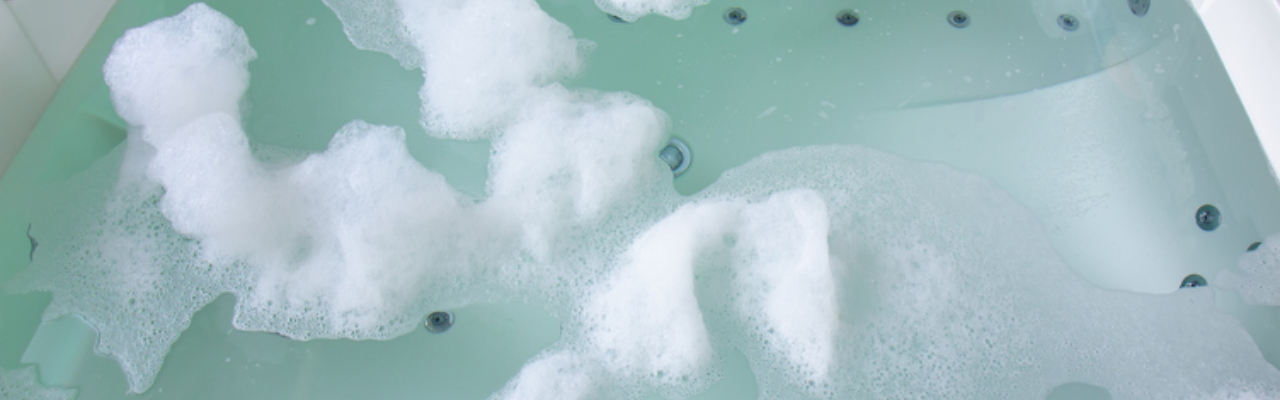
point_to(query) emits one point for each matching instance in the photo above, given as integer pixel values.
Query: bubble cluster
(838, 271)
(1257, 275)
(950, 289)
(21, 384)
(358, 241)
(631, 10)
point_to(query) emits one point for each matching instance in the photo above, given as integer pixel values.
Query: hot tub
(884, 200)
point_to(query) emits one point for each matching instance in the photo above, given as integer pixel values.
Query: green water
(1008, 97)
(307, 82)
(214, 361)
(295, 110)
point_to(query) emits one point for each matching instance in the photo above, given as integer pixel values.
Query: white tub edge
(1245, 34)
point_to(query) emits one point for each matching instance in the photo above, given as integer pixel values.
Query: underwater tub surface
(1101, 142)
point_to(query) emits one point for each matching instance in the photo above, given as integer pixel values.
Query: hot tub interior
(938, 199)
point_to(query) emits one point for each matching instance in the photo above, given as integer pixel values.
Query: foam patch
(838, 271)
(356, 242)
(110, 256)
(21, 384)
(1258, 277)
(576, 156)
(786, 290)
(169, 72)
(631, 10)
(644, 320)
(950, 289)
(377, 25)
(561, 375)
(643, 329)
(479, 75)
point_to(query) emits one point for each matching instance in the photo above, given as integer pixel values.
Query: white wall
(39, 41)
(1247, 36)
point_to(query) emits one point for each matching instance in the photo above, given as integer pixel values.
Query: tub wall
(1242, 32)
(39, 41)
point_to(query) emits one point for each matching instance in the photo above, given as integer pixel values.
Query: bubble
(1257, 275)
(22, 384)
(838, 271)
(631, 10)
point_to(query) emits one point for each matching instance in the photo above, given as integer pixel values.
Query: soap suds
(642, 329)
(556, 376)
(837, 271)
(356, 242)
(173, 70)
(644, 320)
(479, 75)
(1257, 278)
(576, 155)
(110, 256)
(631, 10)
(21, 384)
(377, 25)
(785, 284)
(950, 289)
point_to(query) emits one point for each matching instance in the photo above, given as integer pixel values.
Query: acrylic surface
(897, 208)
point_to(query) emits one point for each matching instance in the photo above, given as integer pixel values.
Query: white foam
(644, 320)
(110, 257)
(355, 242)
(643, 328)
(785, 285)
(485, 63)
(562, 375)
(21, 384)
(1258, 278)
(559, 155)
(340, 243)
(950, 289)
(331, 243)
(632, 10)
(837, 271)
(174, 70)
(377, 25)
(330, 247)
(575, 156)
